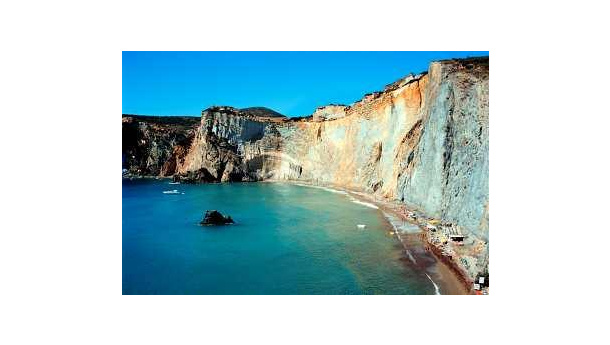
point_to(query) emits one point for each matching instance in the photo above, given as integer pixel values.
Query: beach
(419, 252)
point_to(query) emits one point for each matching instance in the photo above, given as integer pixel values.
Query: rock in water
(213, 217)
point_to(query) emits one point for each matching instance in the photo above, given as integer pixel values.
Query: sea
(288, 239)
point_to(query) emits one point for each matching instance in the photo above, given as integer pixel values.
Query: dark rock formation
(156, 145)
(213, 217)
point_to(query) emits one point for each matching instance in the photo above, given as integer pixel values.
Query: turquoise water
(288, 239)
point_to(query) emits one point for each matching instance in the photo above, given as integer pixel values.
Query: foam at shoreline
(337, 191)
(401, 226)
(367, 204)
(323, 188)
(436, 289)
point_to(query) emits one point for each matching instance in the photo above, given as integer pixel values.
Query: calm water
(288, 240)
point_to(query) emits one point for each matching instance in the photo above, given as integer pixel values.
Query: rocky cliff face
(449, 176)
(423, 141)
(232, 145)
(156, 145)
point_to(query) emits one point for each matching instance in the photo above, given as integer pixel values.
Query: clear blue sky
(292, 83)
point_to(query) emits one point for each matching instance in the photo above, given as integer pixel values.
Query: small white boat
(175, 191)
(361, 226)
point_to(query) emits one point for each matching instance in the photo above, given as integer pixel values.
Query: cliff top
(471, 61)
(163, 120)
(253, 113)
(478, 66)
(262, 112)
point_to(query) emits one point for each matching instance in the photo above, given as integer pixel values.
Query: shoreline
(440, 270)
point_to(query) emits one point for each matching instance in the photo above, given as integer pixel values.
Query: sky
(292, 83)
